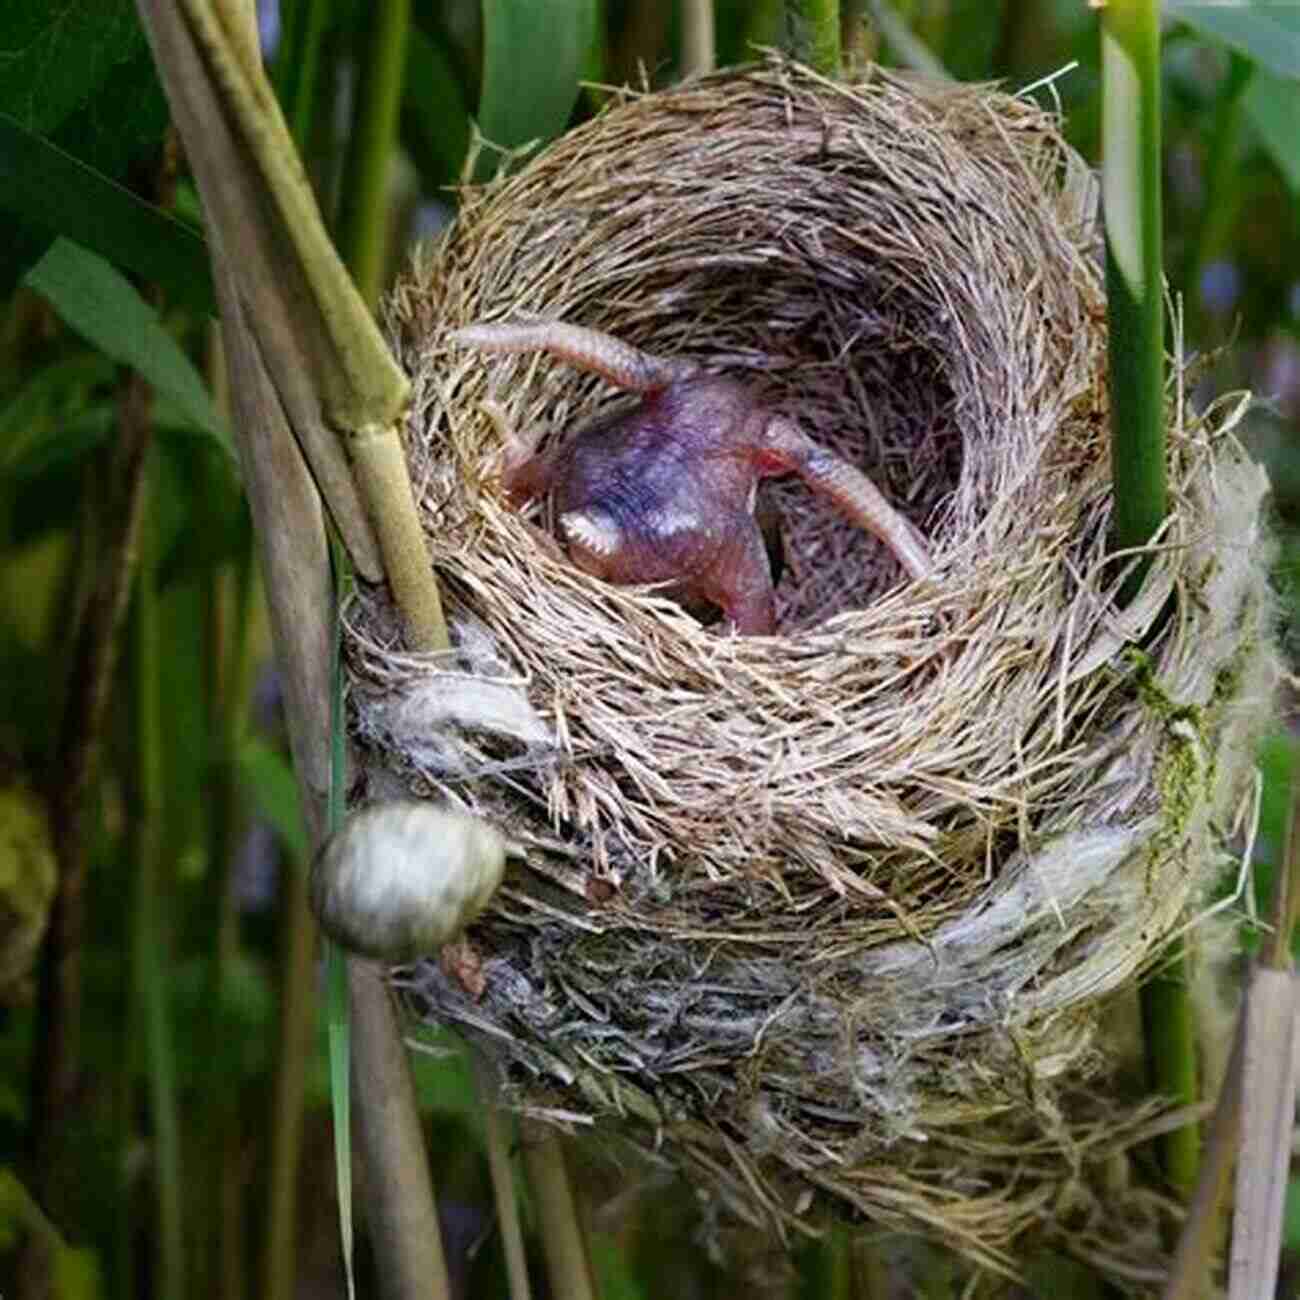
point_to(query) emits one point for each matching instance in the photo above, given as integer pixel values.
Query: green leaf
(55, 56)
(615, 1276)
(1269, 33)
(1273, 106)
(444, 1078)
(435, 119)
(268, 778)
(339, 1028)
(533, 55)
(51, 399)
(1291, 1217)
(104, 308)
(49, 188)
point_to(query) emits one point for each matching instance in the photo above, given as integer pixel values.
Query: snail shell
(398, 880)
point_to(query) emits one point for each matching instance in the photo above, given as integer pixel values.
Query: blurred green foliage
(95, 277)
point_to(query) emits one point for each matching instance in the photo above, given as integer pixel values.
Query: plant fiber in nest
(839, 909)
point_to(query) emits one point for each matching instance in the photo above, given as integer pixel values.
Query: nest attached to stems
(841, 910)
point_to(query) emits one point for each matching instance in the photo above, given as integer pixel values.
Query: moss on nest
(838, 910)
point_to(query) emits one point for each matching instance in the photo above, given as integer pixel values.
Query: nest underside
(843, 908)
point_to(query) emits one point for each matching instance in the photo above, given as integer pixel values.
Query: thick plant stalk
(297, 1025)
(346, 397)
(149, 965)
(817, 29)
(1130, 42)
(298, 63)
(1189, 1273)
(57, 1056)
(363, 210)
(1265, 1029)
(267, 393)
(503, 1188)
(1130, 45)
(698, 54)
(397, 1200)
(909, 49)
(567, 1262)
(229, 645)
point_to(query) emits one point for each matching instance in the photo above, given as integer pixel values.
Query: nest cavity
(841, 910)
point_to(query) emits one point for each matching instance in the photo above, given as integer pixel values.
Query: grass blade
(102, 305)
(52, 190)
(526, 98)
(337, 1020)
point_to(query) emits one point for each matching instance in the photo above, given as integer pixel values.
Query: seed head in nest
(837, 909)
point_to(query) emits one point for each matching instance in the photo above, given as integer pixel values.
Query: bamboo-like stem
(345, 395)
(1189, 1273)
(909, 49)
(283, 499)
(1130, 39)
(1131, 193)
(148, 941)
(229, 645)
(1169, 1035)
(399, 1204)
(818, 30)
(858, 42)
(123, 1262)
(1276, 950)
(567, 1262)
(297, 1024)
(72, 777)
(503, 1187)
(298, 63)
(698, 52)
(306, 361)
(363, 200)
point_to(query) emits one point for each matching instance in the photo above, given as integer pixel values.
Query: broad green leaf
(50, 399)
(435, 120)
(55, 56)
(124, 123)
(971, 39)
(268, 778)
(1269, 33)
(49, 188)
(1291, 1221)
(298, 63)
(1273, 106)
(533, 55)
(104, 308)
(62, 445)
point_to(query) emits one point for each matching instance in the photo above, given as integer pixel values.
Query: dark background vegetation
(195, 986)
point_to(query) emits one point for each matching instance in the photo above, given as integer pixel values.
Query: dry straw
(844, 910)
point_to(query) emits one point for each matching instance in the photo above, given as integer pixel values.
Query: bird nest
(840, 911)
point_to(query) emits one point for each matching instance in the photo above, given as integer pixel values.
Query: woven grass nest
(837, 917)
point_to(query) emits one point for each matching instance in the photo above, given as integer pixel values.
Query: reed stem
(149, 943)
(817, 30)
(1131, 170)
(363, 201)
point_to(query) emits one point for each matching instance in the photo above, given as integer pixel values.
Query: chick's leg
(740, 582)
(783, 446)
